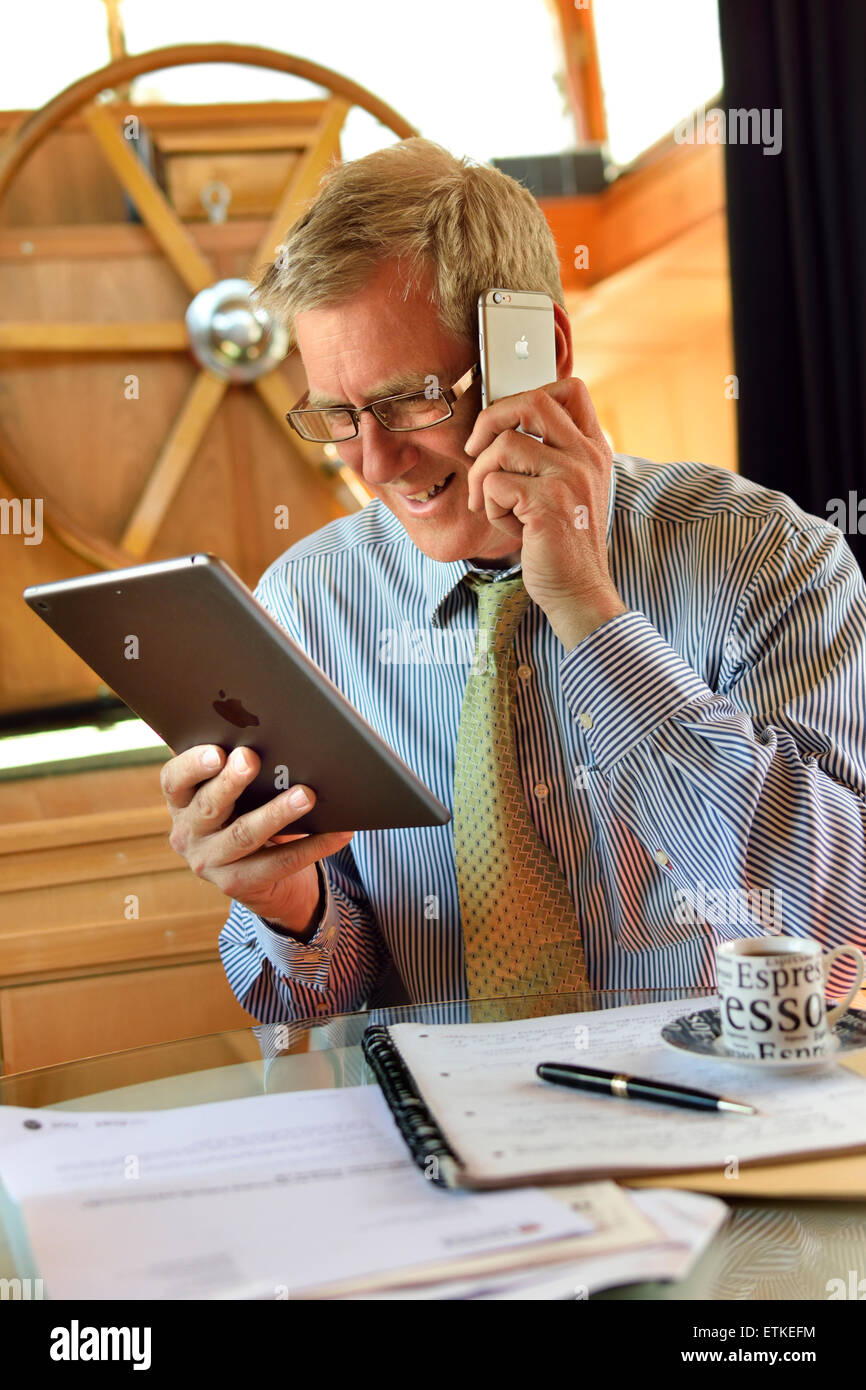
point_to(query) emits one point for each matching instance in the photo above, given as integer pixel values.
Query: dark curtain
(797, 234)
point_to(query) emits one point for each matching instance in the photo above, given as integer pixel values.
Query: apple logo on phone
(521, 347)
(233, 711)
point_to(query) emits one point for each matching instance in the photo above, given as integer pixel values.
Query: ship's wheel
(231, 340)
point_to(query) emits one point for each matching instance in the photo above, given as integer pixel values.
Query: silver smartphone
(517, 342)
(187, 647)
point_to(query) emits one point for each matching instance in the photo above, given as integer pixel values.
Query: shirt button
(661, 858)
(524, 672)
(585, 720)
(540, 790)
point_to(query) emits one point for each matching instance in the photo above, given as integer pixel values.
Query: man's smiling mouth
(429, 492)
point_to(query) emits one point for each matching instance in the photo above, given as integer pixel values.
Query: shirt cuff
(623, 681)
(303, 960)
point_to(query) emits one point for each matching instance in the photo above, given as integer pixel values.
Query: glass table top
(779, 1249)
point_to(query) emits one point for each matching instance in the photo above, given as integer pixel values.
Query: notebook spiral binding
(423, 1136)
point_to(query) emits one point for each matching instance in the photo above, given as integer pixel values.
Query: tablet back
(185, 645)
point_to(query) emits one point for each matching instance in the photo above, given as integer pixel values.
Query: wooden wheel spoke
(304, 180)
(148, 336)
(276, 396)
(177, 454)
(192, 267)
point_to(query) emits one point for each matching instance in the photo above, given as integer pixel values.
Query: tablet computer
(188, 648)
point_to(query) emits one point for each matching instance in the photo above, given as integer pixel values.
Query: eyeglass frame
(450, 395)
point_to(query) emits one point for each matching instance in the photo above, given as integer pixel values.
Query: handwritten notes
(506, 1125)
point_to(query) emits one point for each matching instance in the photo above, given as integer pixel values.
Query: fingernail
(239, 760)
(298, 797)
(210, 757)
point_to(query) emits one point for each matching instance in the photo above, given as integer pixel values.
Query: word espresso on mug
(769, 1002)
(772, 997)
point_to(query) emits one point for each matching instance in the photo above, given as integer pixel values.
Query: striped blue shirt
(697, 764)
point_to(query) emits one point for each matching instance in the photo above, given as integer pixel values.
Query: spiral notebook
(474, 1114)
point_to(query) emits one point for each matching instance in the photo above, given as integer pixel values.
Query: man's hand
(248, 859)
(552, 498)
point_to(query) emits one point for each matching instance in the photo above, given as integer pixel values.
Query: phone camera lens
(497, 298)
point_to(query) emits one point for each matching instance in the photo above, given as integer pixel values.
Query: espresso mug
(772, 992)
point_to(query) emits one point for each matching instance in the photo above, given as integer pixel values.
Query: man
(666, 746)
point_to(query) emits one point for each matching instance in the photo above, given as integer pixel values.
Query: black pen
(613, 1083)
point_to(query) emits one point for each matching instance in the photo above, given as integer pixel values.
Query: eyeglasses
(412, 410)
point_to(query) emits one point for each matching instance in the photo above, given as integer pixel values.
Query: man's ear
(564, 353)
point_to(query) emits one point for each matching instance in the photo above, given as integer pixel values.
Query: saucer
(701, 1034)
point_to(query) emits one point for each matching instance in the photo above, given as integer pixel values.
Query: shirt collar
(440, 580)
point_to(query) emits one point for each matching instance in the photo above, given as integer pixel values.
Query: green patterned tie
(520, 929)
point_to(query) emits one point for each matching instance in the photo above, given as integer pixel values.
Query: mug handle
(841, 1008)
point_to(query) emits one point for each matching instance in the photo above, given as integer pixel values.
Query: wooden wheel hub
(231, 336)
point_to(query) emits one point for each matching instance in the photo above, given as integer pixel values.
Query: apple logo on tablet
(233, 711)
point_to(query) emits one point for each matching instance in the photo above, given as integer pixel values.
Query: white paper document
(515, 1126)
(265, 1196)
(686, 1222)
(678, 1228)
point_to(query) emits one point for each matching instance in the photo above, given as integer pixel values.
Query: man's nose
(385, 455)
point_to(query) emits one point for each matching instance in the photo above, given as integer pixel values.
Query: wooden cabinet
(41, 1025)
(107, 940)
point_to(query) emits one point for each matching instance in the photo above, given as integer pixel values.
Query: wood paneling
(78, 975)
(674, 406)
(65, 180)
(168, 473)
(245, 139)
(44, 1024)
(653, 344)
(147, 198)
(650, 312)
(96, 794)
(300, 189)
(117, 240)
(53, 337)
(88, 891)
(670, 192)
(40, 948)
(255, 181)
